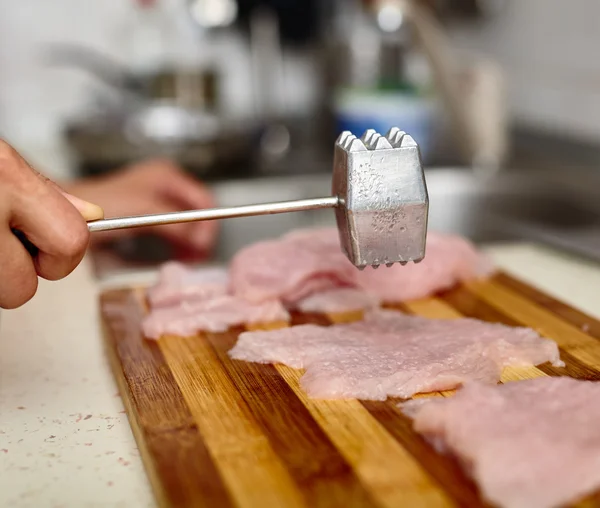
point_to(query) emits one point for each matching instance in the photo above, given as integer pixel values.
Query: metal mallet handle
(213, 214)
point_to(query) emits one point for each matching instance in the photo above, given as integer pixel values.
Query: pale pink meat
(527, 444)
(338, 301)
(307, 261)
(392, 354)
(291, 268)
(448, 261)
(214, 315)
(178, 283)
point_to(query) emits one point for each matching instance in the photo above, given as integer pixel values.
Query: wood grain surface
(217, 433)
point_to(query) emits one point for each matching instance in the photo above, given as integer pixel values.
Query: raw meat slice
(308, 261)
(527, 444)
(338, 301)
(318, 283)
(213, 315)
(290, 268)
(448, 261)
(178, 283)
(392, 354)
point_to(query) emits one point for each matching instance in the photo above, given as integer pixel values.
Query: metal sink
(554, 208)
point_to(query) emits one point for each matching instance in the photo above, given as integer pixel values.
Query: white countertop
(64, 438)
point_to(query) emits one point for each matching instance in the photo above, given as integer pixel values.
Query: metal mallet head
(383, 202)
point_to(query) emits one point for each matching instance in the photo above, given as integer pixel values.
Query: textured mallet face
(380, 181)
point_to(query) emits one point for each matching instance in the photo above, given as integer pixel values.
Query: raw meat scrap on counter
(396, 355)
(527, 444)
(213, 315)
(310, 261)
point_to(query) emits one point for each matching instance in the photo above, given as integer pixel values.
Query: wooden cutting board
(218, 433)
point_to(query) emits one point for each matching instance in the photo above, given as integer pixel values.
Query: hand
(150, 187)
(53, 221)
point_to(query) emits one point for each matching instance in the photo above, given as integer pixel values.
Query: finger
(18, 277)
(182, 240)
(184, 236)
(51, 223)
(190, 235)
(197, 236)
(187, 255)
(187, 193)
(203, 234)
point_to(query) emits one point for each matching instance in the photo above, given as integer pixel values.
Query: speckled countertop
(64, 438)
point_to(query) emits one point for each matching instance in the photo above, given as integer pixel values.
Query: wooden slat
(587, 324)
(392, 475)
(253, 472)
(570, 337)
(387, 468)
(441, 467)
(313, 318)
(323, 475)
(179, 466)
(433, 308)
(515, 311)
(445, 470)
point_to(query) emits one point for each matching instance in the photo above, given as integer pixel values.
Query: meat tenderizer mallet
(379, 195)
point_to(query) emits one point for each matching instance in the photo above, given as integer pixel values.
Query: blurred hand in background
(149, 187)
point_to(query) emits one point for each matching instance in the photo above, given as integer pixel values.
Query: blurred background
(249, 96)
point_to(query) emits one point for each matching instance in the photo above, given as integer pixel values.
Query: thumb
(89, 211)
